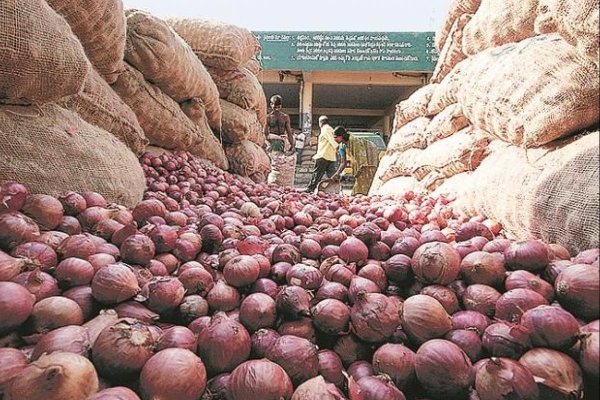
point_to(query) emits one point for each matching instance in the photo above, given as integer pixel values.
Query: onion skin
(512, 304)
(443, 369)
(16, 228)
(471, 320)
(353, 250)
(317, 388)
(12, 362)
(331, 316)
(103, 320)
(589, 355)
(503, 340)
(115, 393)
(481, 298)
(38, 283)
(445, 296)
(483, 268)
(70, 339)
(531, 255)
(331, 368)
(469, 341)
(374, 317)
(293, 302)
(503, 378)
(424, 318)
(436, 263)
(255, 379)
(56, 376)
(12, 196)
(396, 361)
(223, 297)
(262, 340)
(526, 280)
(577, 290)
(373, 388)
(551, 327)
(258, 311)
(173, 374)
(114, 283)
(297, 356)
(43, 209)
(558, 376)
(54, 312)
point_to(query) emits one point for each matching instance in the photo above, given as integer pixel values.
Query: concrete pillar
(387, 125)
(306, 99)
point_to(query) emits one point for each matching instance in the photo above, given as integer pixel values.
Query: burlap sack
(445, 92)
(398, 186)
(40, 58)
(208, 145)
(262, 110)
(415, 106)
(399, 164)
(239, 124)
(217, 44)
(450, 187)
(163, 121)
(250, 160)
(283, 169)
(458, 153)
(409, 136)
(550, 193)
(51, 150)
(99, 105)
(456, 9)
(157, 151)
(452, 53)
(552, 93)
(575, 20)
(167, 61)
(445, 124)
(499, 22)
(100, 26)
(253, 65)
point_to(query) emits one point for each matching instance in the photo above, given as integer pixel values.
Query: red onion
(350, 349)
(465, 248)
(396, 361)
(177, 337)
(187, 246)
(432, 236)
(424, 318)
(369, 233)
(262, 340)
(305, 276)
(73, 203)
(169, 260)
(74, 272)
(531, 255)
(38, 283)
(106, 228)
(52, 238)
(587, 256)
(558, 252)
(241, 271)
(302, 328)
(341, 274)
(551, 327)
(103, 320)
(379, 251)
(192, 307)
(266, 286)
(91, 216)
(115, 393)
(164, 237)
(58, 375)
(329, 251)
(436, 263)
(12, 196)
(224, 344)
(293, 302)
(114, 284)
(470, 230)
(512, 304)
(406, 246)
(196, 280)
(16, 228)
(554, 269)
(330, 367)
(133, 309)
(497, 246)
(82, 295)
(317, 388)
(12, 361)
(331, 290)
(107, 248)
(470, 320)
(94, 199)
(483, 268)
(469, 342)
(331, 316)
(360, 369)
(505, 378)
(297, 356)
(258, 311)
(223, 297)
(70, 338)
(504, 340)
(259, 379)
(577, 290)
(334, 237)
(286, 253)
(199, 324)
(137, 249)
(374, 317)
(374, 273)
(557, 375)
(54, 312)
(443, 369)
(589, 355)
(217, 388)
(147, 209)
(526, 280)
(310, 249)
(80, 246)
(445, 296)
(481, 298)
(101, 260)
(398, 269)
(373, 388)
(361, 285)
(353, 250)
(163, 294)
(43, 209)
(122, 349)
(173, 374)
(119, 236)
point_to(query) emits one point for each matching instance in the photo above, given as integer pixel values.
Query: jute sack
(575, 20)
(445, 92)
(398, 186)
(163, 121)
(452, 53)
(40, 58)
(409, 136)
(456, 10)
(283, 169)
(217, 44)
(239, 124)
(415, 106)
(553, 92)
(401, 164)
(445, 124)
(101, 27)
(99, 105)
(450, 187)
(167, 61)
(250, 160)
(499, 22)
(253, 65)
(51, 150)
(458, 153)
(550, 193)
(207, 145)
(157, 151)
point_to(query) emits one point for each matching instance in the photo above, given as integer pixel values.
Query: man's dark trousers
(322, 167)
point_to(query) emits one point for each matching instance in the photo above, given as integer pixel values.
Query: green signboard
(348, 51)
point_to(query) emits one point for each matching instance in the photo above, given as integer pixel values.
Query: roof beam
(345, 78)
(339, 112)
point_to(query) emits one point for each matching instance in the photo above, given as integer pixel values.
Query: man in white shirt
(326, 156)
(300, 140)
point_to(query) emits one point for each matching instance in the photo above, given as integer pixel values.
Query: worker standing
(326, 155)
(300, 141)
(281, 145)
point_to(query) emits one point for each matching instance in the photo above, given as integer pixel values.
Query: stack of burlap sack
(85, 87)
(509, 122)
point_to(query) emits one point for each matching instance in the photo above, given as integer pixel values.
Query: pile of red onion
(214, 287)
